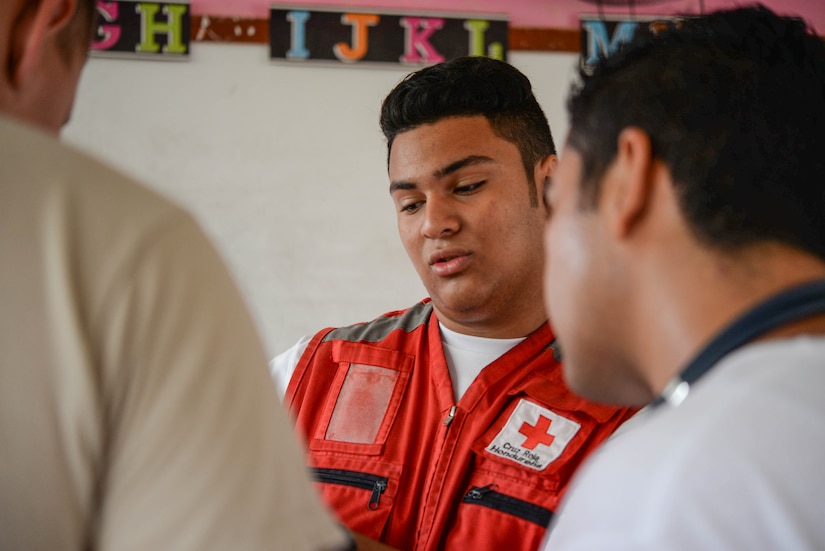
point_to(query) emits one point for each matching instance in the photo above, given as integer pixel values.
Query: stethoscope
(784, 308)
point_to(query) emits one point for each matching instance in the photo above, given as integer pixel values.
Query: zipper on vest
(376, 484)
(488, 497)
(450, 417)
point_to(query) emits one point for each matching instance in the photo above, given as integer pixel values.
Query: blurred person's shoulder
(40, 170)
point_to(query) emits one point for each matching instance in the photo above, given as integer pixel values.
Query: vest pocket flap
(365, 354)
(556, 392)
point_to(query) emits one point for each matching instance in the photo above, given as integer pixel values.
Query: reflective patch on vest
(533, 436)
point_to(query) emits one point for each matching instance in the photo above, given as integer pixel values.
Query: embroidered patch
(533, 436)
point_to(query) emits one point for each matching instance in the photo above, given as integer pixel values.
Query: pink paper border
(558, 14)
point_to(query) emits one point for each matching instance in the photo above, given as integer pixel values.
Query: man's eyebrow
(398, 186)
(470, 160)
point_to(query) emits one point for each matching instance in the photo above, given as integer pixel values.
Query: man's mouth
(447, 263)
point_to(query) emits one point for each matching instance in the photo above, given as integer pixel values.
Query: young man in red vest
(447, 425)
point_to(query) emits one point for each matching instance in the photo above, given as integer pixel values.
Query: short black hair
(472, 86)
(734, 105)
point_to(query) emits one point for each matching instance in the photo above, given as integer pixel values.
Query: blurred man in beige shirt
(136, 410)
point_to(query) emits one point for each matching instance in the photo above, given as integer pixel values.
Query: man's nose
(440, 217)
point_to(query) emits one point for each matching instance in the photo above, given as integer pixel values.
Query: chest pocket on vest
(544, 433)
(522, 464)
(361, 491)
(363, 399)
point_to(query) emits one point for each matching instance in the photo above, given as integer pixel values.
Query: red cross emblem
(536, 434)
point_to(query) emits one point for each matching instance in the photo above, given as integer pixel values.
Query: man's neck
(696, 307)
(494, 329)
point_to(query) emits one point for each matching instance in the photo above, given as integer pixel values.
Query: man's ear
(36, 28)
(543, 172)
(628, 185)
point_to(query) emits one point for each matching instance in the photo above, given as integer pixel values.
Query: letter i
(298, 49)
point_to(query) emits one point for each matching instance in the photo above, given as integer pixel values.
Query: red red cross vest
(399, 461)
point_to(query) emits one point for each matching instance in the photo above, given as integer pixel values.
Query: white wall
(284, 166)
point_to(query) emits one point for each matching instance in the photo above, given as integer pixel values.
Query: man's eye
(469, 188)
(411, 207)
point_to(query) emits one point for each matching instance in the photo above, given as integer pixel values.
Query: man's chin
(461, 311)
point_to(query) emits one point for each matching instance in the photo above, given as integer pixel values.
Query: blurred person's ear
(627, 186)
(36, 28)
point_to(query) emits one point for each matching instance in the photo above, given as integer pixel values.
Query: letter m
(599, 45)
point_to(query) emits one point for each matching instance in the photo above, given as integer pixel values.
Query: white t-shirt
(738, 465)
(466, 356)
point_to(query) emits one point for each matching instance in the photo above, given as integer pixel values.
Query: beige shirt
(136, 410)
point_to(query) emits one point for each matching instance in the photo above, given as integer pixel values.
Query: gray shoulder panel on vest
(378, 329)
